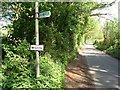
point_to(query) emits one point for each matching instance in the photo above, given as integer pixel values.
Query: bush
(111, 49)
(18, 69)
(101, 47)
(114, 51)
(52, 74)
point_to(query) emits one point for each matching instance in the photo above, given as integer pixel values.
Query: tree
(111, 33)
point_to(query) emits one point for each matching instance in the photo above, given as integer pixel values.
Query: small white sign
(37, 47)
(45, 14)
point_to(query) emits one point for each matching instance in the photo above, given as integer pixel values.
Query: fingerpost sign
(38, 47)
(44, 14)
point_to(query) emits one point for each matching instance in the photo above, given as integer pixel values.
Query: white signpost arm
(37, 39)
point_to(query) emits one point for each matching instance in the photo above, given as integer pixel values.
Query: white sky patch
(2, 23)
(106, 1)
(112, 10)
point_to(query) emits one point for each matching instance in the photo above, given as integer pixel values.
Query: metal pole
(37, 39)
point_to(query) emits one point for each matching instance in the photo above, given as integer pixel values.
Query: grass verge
(115, 52)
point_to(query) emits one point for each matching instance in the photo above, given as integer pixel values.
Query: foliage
(111, 38)
(67, 29)
(101, 47)
(115, 51)
(111, 33)
(93, 30)
(15, 65)
(52, 73)
(109, 49)
(19, 67)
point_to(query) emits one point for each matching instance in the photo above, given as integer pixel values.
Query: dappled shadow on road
(77, 75)
(101, 73)
(104, 78)
(103, 68)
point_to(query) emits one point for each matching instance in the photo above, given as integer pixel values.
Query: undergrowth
(19, 68)
(110, 49)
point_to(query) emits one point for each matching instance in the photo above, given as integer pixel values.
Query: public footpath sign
(37, 47)
(44, 14)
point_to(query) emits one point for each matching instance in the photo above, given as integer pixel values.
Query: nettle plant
(16, 64)
(18, 68)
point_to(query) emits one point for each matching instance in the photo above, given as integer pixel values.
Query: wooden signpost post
(38, 47)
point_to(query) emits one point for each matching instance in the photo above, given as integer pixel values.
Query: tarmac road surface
(103, 68)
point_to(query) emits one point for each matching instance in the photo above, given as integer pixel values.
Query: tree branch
(106, 18)
(99, 14)
(99, 6)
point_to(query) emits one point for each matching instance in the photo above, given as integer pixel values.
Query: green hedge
(101, 47)
(110, 49)
(18, 69)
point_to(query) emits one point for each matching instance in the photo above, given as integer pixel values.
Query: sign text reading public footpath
(37, 47)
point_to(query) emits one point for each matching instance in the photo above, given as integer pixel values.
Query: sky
(113, 10)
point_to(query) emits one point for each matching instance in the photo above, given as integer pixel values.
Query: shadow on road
(77, 75)
(106, 75)
(102, 67)
(94, 70)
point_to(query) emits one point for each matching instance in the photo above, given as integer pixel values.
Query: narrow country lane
(102, 67)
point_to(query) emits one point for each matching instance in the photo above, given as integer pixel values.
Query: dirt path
(77, 75)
